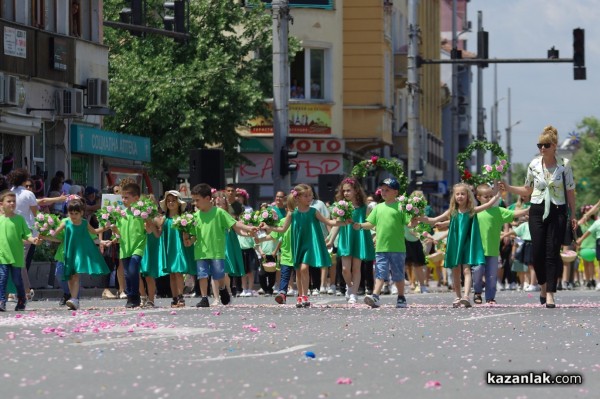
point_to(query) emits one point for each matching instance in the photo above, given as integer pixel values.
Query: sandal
(477, 299)
(456, 303)
(465, 302)
(491, 302)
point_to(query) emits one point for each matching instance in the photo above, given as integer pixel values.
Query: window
(23, 12)
(75, 12)
(63, 23)
(39, 13)
(8, 10)
(308, 75)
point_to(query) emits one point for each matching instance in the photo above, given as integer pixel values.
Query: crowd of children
(373, 244)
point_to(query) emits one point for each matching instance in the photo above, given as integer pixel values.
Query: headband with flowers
(242, 192)
(349, 180)
(294, 193)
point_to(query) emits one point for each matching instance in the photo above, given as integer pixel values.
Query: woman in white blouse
(547, 178)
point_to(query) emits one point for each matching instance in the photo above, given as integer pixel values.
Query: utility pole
(414, 136)
(480, 124)
(494, 124)
(454, 177)
(509, 141)
(281, 90)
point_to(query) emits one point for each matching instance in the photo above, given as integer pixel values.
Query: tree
(192, 95)
(586, 166)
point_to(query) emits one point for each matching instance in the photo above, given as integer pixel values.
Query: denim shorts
(214, 268)
(390, 261)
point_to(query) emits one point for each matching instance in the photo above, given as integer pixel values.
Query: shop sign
(305, 118)
(15, 42)
(90, 140)
(310, 145)
(310, 166)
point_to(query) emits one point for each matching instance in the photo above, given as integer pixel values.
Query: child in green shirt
(13, 230)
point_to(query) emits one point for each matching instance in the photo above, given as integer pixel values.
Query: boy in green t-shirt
(209, 242)
(491, 222)
(132, 243)
(13, 230)
(390, 250)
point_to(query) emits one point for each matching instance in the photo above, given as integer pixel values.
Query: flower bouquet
(269, 216)
(250, 218)
(495, 171)
(107, 216)
(144, 208)
(46, 224)
(342, 210)
(414, 205)
(185, 223)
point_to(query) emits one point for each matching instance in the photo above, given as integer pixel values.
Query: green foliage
(477, 179)
(191, 95)
(519, 173)
(45, 252)
(361, 169)
(585, 162)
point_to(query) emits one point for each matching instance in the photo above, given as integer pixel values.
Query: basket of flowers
(568, 256)
(269, 266)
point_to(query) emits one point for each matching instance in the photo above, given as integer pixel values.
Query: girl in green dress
(308, 243)
(464, 247)
(81, 255)
(354, 246)
(177, 259)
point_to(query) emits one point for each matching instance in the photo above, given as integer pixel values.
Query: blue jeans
(490, 269)
(59, 273)
(390, 261)
(284, 279)
(131, 267)
(214, 268)
(15, 273)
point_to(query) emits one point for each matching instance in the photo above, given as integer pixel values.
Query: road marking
(247, 355)
(141, 334)
(491, 315)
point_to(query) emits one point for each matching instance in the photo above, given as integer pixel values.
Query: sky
(541, 94)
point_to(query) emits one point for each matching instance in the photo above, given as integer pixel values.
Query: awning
(19, 124)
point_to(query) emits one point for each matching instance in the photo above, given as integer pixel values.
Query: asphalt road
(258, 349)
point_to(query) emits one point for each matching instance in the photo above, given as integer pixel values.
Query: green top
(133, 236)
(246, 242)
(390, 222)
(595, 229)
(81, 253)
(308, 242)
(211, 230)
(357, 244)
(59, 256)
(513, 206)
(286, 259)
(13, 230)
(269, 246)
(490, 226)
(522, 231)
(464, 245)
(590, 241)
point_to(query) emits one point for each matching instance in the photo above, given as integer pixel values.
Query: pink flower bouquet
(46, 224)
(185, 223)
(108, 215)
(497, 170)
(342, 210)
(414, 205)
(144, 208)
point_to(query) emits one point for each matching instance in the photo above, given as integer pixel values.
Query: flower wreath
(392, 166)
(463, 156)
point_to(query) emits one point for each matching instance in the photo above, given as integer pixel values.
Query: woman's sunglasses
(545, 145)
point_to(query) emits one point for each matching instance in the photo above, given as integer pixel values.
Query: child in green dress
(80, 252)
(464, 248)
(308, 243)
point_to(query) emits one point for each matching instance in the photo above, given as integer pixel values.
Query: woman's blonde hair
(470, 199)
(549, 135)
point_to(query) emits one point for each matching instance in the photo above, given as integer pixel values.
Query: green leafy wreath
(392, 166)
(484, 178)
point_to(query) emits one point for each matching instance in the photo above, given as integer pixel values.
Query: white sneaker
(424, 289)
(385, 290)
(598, 287)
(394, 290)
(499, 286)
(245, 293)
(512, 286)
(331, 290)
(352, 299)
(315, 292)
(261, 292)
(291, 292)
(73, 303)
(347, 294)
(323, 290)
(122, 295)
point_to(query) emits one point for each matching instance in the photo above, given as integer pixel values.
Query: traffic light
(579, 54)
(174, 18)
(285, 166)
(482, 47)
(133, 12)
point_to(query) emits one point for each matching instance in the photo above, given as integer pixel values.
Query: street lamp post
(509, 141)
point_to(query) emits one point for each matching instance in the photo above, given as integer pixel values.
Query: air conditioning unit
(97, 93)
(69, 102)
(8, 90)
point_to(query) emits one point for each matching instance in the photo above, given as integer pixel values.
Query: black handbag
(569, 233)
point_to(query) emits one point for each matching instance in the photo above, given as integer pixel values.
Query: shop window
(80, 169)
(39, 147)
(11, 149)
(308, 73)
(23, 12)
(7, 9)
